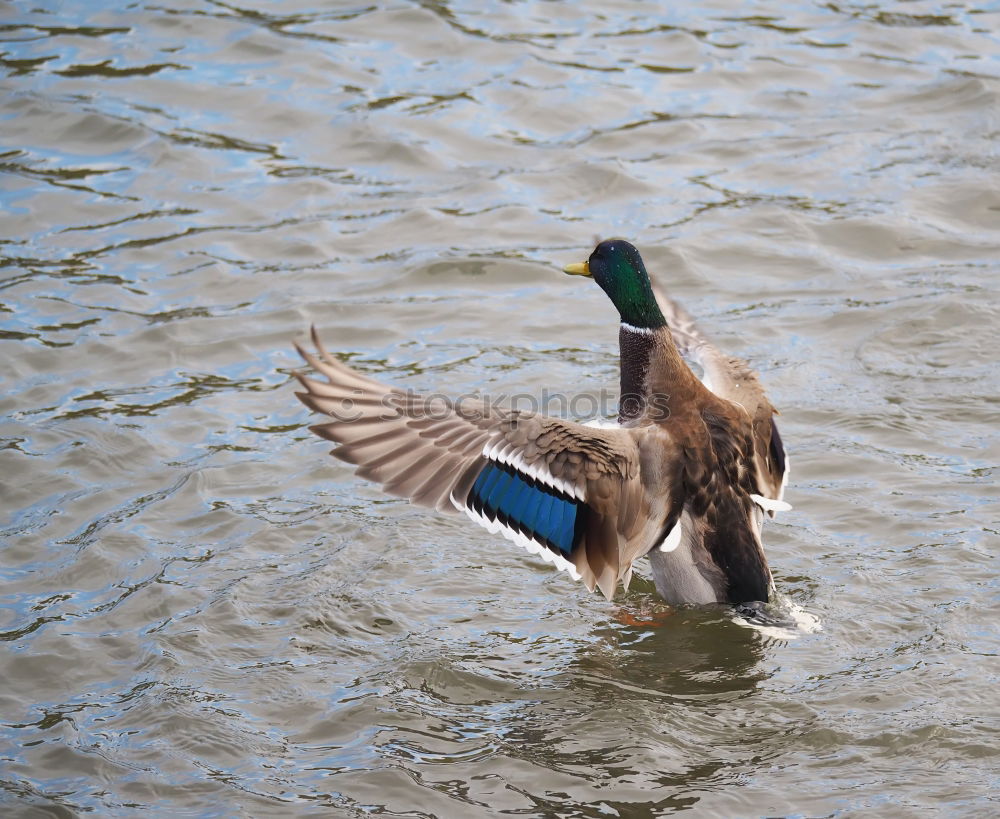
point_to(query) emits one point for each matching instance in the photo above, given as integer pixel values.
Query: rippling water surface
(203, 614)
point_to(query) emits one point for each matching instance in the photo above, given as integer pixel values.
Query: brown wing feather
(415, 448)
(733, 379)
(432, 450)
(731, 532)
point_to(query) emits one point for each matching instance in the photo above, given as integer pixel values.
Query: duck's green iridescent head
(617, 267)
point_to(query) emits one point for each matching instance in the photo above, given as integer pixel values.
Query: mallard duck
(685, 477)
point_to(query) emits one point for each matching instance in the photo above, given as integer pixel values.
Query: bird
(684, 476)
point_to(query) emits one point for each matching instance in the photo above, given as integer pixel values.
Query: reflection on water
(200, 608)
(689, 656)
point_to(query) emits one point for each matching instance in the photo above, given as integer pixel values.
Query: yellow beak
(577, 269)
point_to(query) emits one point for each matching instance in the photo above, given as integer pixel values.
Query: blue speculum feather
(541, 512)
(499, 492)
(482, 487)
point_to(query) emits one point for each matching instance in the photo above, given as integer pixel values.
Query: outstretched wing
(569, 493)
(733, 379)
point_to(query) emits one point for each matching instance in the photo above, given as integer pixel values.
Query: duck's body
(684, 477)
